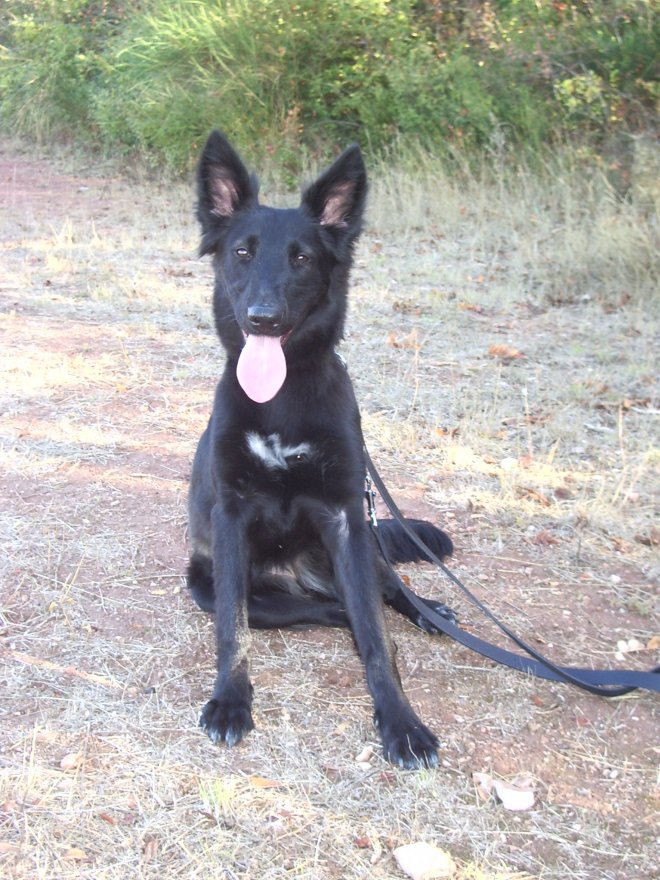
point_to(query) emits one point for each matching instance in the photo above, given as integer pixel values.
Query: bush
(52, 58)
(284, 77)
(273, 81)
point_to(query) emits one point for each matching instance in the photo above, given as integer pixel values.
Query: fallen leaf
(150, 850)
(505, 352)
(653, 644)
(626, 404)
(9, 806)
(6, 847)
(362, 842)
(406, 307)
(620, 544)
(72, 761)
(545, 538)
(424, 861)
(596, 386)
(263, 782)
(471, 307)
(630, 402)
(650, 538)
(334, 774)
(409, 341)
(533, 495)
(75, 854)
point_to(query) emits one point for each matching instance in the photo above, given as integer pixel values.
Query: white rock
(424, 861)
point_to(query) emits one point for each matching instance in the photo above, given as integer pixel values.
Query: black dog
(277, 522)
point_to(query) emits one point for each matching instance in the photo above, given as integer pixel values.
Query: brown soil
(106, 657)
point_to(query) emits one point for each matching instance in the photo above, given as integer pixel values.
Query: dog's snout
(264, 319)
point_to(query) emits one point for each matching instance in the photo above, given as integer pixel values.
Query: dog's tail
(401, 548)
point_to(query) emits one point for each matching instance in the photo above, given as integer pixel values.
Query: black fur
(280, 538)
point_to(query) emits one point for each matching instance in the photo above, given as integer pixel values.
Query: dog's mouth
(261, 367)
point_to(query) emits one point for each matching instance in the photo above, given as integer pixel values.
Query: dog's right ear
(224, 186)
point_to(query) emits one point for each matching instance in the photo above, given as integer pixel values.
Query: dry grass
(544, 468)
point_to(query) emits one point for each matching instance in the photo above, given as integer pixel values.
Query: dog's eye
(242, 253)
(301, 259)
(297, 458)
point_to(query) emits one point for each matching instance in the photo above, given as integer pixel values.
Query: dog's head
(281, 274)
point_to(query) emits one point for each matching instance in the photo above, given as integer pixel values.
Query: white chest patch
(274, 454)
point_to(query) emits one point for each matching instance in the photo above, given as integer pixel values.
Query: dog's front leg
(406, 740)
(227, 716)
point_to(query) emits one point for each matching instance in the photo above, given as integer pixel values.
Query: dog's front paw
(226, 720)
(443, 610)
(408, 744)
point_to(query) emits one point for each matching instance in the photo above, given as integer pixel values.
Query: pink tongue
(261, 368)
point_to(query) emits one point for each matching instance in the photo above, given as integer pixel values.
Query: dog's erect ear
(224, 186)
(336, 200)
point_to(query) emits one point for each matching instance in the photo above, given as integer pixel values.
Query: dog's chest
(256, 464)
(277, 476)
(273, 455)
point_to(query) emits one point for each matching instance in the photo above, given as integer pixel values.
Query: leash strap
(602, 682)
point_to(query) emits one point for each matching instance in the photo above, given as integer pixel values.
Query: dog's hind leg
(199, 578)
(397, 599)
(271, 605)
(275, 608)
(401, 547)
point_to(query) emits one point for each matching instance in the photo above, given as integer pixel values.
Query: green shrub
(52, 57)
(273, 75)
(289, 78)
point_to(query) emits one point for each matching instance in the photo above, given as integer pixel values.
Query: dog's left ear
(336, 200)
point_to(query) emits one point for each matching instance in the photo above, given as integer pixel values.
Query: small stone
(424, 861)
(365, 755)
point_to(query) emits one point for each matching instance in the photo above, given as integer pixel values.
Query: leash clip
(370, 495)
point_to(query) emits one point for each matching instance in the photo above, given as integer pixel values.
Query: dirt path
(108, 364)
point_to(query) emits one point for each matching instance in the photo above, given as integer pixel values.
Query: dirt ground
(526, 430)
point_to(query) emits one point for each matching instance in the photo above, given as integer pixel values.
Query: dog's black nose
(264, 319)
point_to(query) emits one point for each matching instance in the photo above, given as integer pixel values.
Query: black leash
(602, 682)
